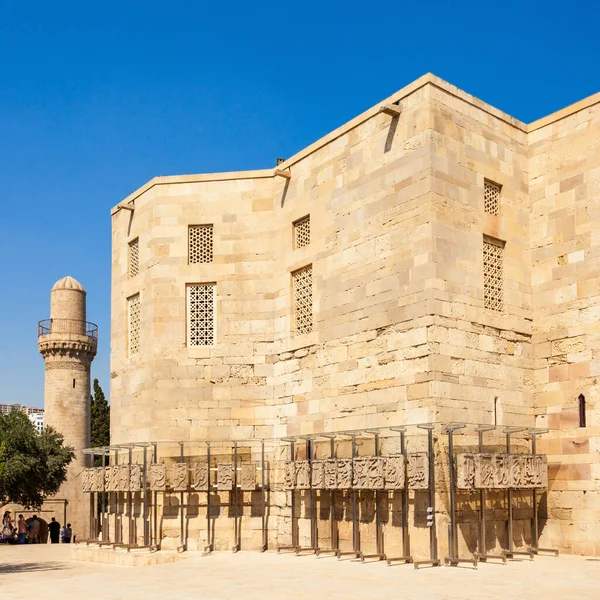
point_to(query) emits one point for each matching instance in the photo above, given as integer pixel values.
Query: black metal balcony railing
(50, 326)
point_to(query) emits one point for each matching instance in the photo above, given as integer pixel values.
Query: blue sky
(97, 98)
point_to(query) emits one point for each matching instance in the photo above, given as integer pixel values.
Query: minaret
(68, 344)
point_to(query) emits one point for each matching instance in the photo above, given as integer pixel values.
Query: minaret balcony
(67, 331)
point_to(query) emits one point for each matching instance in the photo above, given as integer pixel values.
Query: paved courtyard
(47, 572)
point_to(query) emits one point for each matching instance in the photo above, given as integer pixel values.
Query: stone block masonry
(436, 263)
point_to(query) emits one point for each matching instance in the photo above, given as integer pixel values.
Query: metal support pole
(145, 498)
(453, 558)
(379, 550)
(130, 503)
(234, 500)
(510, 552)
(209, 545)
(294, 541)
(262, 499)
(155, 534)
(118, 533)
(333, 534)
(482, 555)
(433, 551)
(183, 546)
(103, 528)
(534, 522)
(355, 530)
(314, 546)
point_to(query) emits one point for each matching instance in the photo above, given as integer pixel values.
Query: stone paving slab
(41, 572)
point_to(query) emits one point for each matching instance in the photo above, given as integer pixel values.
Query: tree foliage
(32, 465)
(100, 433)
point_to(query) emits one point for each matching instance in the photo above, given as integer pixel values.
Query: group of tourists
(28, 532)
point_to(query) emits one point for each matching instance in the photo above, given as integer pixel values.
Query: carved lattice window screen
(491, 198)
(303, 300)
(200, 244)
(201, 314)
(302, 232)
(134, 257)
(133, 310)
(493, 297)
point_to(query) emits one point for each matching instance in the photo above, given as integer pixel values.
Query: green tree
(100, 427)
(32, 466)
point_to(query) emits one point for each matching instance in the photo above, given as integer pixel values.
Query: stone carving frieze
(135, 478)
(158, 477)
(418, 471)
(344, 473)
(330, 474)
(178, 477)
(289, 475)
(503, 471)
(465, 471)
(395, 472)
(98, 479)
(317, 475)
(248, 477)
(302, 474)
(225, 476)
(367, 473)
(86, 480)
(122, 478)
(200, 476)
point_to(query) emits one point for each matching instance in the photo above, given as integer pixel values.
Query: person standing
(68, 534)
(34, 530)
(21, 530)
(54, 528)
(7, 527)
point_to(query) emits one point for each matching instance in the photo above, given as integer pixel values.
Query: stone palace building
(432, 261)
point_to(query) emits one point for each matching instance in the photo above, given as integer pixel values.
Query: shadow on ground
(32, 566)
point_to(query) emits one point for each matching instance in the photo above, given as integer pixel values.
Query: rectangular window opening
(133, 318)
(134, 257)
(491, 197)
(200, 244)
(201, 304)
(303, 300)
(302, 232)
(493, 274)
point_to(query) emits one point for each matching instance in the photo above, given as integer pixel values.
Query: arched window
(581, 410)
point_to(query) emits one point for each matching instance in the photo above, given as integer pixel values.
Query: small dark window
(73, 384)
(496, 410)
(581, 410)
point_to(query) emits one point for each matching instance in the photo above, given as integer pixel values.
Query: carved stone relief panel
(86, 481)
(200, 476)
(367, 473)
(179, 477)
(330, 474)
(248, 477)
(500, 466)
(302, 474)
(135, 478)
(123, 478)
(317, 475)
(418, 471)
(484, 471)
(106, 479)
(534, 471)
(289, 475)
(465, 471)
(99, 479)
(225, 476)
(515, 476)
(158, 477)
(394, 472)
(344, 473)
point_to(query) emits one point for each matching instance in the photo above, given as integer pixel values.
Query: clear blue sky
(98, 97)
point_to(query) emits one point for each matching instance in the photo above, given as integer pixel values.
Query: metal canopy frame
(151, 533)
